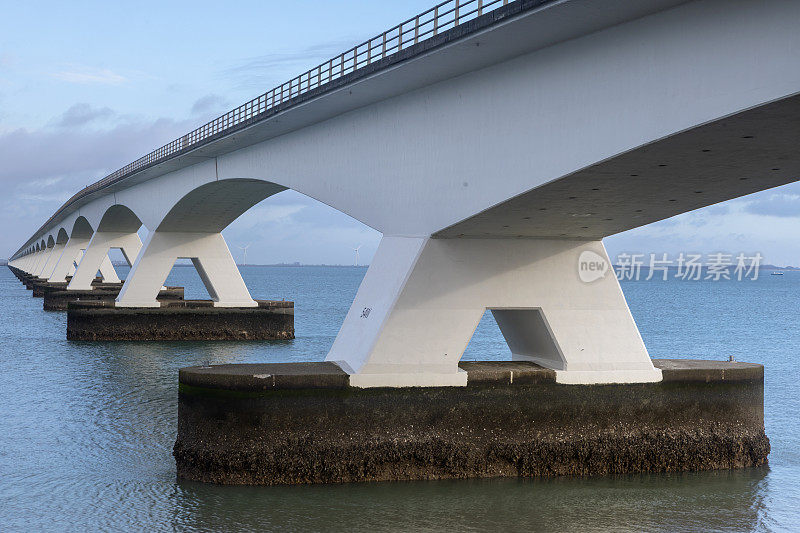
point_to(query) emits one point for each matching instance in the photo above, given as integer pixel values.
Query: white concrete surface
(96, 258)
(209, 254)
(42, 263)
(423, 298)
(72, 252)
(50, 265)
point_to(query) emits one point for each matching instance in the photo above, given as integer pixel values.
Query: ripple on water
(86, 429)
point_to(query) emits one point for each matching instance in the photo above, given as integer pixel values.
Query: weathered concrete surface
(17, 272)
(180, 320)
(28, 280)
(303, 423)
(41, 287)
(58, 298)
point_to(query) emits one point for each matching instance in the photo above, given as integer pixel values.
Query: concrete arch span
(81, 228)
(120, 219)
(51, 254)
(211, 207)
(41, 257)
(116, 229)
(192, 229)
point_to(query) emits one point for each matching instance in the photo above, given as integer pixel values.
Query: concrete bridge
(491, 142)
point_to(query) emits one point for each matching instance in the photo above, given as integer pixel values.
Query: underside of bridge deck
(737, 155)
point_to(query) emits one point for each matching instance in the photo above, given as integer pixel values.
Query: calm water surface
(86, 429)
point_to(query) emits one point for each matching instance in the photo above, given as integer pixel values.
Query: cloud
(290, 226)
(48, 153)
(268, 70)
(269, 211)
(211, 103)
(776, 205)
(90, 75)
(763, 222)
(43, 167)
(312, 235)
(82, 114)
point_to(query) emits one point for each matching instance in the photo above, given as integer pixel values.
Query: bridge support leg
(108, 272)
(40, 261)
(422, 299)
(96, 258)
(211, 257)
(55, 256)
(66, 263)
(45, 257)
(77, 261)
(40, 257)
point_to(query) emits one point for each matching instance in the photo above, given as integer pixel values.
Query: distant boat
(775, 273)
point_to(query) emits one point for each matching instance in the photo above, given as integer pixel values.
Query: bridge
(491, 143)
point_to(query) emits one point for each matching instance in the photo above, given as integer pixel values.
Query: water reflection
(713, 501)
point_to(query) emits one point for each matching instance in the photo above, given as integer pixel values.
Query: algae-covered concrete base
(180, 320)
(304, 423)
(40, 286)
(57, 298)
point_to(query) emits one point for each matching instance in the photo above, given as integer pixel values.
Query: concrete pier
(180, 320)
(303, 423)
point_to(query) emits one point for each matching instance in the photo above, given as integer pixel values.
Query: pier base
(58, 298)
(179, 320)
(41, 286)
(303, 423)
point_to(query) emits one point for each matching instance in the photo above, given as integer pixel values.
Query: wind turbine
(356, 251)
(244, 248)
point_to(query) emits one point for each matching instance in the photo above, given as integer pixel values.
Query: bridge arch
(212, 207)
(191, 229)
(119, 219)
(62, 236)
(81, 228)
(116, 229)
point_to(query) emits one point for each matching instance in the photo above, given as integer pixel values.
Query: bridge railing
(440, 18)
(430, 23)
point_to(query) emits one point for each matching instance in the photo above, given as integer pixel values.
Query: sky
(87, 87)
